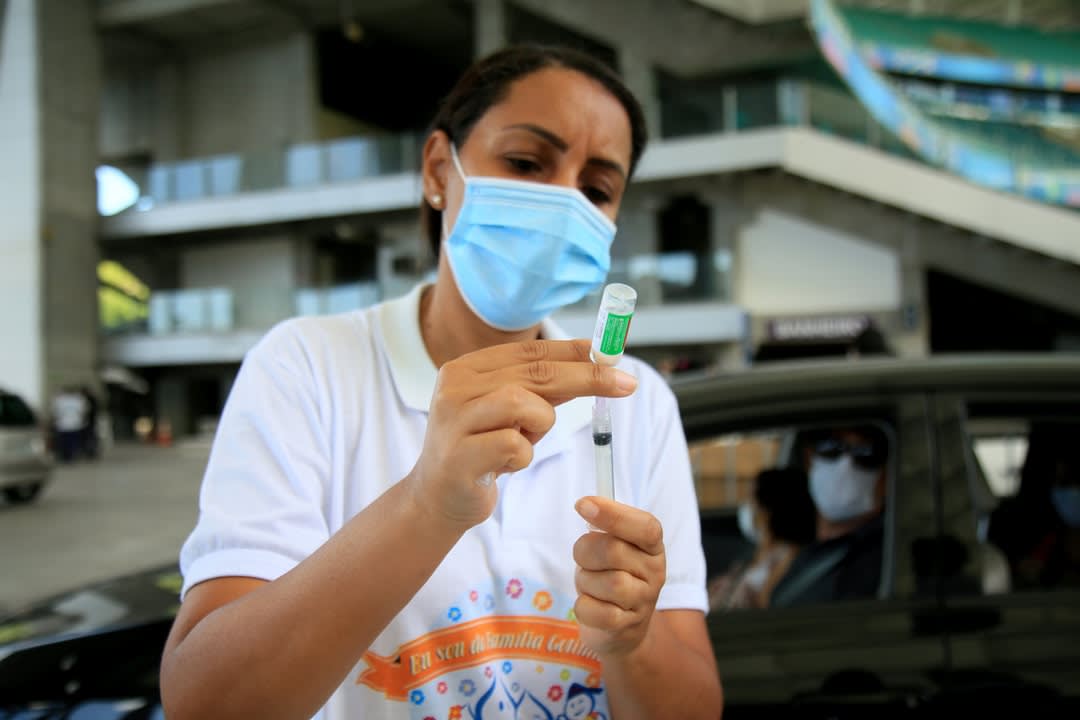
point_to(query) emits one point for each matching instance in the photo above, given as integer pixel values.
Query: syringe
(609, 341)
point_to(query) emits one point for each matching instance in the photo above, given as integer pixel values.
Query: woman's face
(554, 126)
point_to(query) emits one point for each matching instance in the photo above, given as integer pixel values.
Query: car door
(839, 659)
(1012, 630)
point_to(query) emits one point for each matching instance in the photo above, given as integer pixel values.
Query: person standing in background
(69, 411)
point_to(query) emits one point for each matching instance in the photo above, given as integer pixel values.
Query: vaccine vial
(613, 323)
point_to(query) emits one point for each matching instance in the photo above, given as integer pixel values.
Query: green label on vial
(614, 334)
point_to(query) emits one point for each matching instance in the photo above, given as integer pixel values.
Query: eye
(523, 165)
(596, 195)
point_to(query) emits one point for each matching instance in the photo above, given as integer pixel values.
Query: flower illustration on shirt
(467, 688)
(441, 688)
(416, 697)
(455, 712)
(488, 672)
(555, 693)
(542, 601)
(514, 588)
(564, 675)
(474, 596)
(593, 680)
(454, 614)
(507, 667)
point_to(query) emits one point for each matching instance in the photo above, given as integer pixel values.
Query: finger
(521, 353)
(564, 380)
(555, 381)
(510, 406)
(498, 451)
(612, 586)
(635, 526)
(598, 551)
(602, 615)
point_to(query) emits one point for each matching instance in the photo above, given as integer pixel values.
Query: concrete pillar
(489, 33)
(21, 357)
(49, 104)
(912, 337)
(640, 76)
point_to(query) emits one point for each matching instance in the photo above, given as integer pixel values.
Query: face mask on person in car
(1067, 503)
(840, 489)
(746, 523)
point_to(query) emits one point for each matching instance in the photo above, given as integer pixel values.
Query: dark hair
(487, 82)
(784, 493)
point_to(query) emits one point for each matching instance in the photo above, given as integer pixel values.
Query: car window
(14, 412)
(767, 540)
(999, 445)
(1030, 461)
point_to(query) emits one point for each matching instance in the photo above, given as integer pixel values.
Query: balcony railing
(660, 279)
(298, 166)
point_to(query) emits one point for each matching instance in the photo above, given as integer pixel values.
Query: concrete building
(274, 147)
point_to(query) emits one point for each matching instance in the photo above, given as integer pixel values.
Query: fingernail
(587, 509)
(625, 381)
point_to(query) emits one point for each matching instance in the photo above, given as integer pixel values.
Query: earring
(436, 201)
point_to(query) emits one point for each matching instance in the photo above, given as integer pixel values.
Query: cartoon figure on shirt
(581, 704)
(498, 703)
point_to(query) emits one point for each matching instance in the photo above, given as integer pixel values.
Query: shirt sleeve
(261, 507)
(669, 495)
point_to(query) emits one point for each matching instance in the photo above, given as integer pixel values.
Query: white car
(25, 462)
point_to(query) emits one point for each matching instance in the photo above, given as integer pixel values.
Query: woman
(388, 524)
(779, 520)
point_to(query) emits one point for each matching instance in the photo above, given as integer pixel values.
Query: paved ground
(128, 511)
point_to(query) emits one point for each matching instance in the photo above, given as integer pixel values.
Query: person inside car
(847, 471)
(1038, 529)
(780, 520)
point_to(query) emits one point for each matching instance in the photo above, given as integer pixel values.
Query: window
(773, 540)
(14, 412)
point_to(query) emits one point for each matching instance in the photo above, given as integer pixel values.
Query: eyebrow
(562, 146)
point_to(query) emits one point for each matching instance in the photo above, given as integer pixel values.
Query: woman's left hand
(619, 575)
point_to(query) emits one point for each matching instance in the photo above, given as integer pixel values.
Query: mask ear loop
(464, 179)
(457, 162)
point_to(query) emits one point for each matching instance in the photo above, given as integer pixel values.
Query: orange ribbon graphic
(473, 643)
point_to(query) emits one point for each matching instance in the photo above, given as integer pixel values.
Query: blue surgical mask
(521, 250)
(1067, 503)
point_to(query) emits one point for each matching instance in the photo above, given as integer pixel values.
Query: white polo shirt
(328, 412)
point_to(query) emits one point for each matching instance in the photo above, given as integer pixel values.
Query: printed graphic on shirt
(511, 653)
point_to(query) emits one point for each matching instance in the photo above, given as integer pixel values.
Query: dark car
(952, 624)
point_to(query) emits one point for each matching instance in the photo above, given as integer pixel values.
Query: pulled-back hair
(488, 81)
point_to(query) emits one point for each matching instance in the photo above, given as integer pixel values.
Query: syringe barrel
(613, 323)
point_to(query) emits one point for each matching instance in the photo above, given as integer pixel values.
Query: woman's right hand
(488, 410)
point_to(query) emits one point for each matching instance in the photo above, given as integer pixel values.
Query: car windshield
(14, 412)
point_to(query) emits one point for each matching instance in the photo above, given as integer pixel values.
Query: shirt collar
(415, 374)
